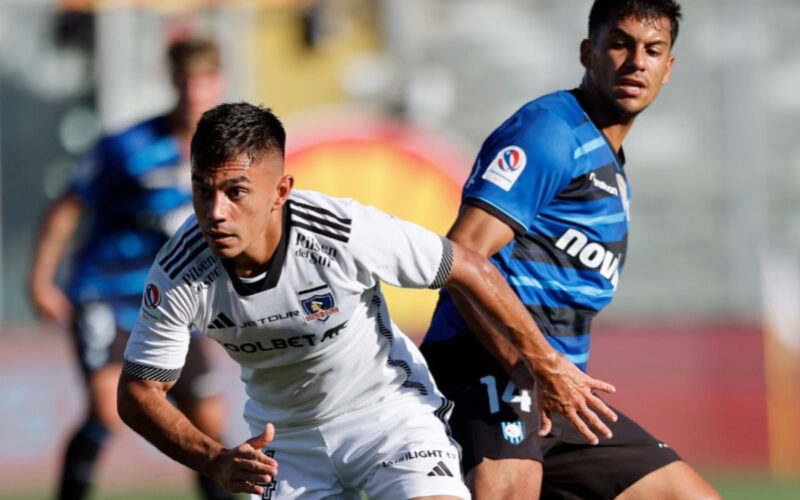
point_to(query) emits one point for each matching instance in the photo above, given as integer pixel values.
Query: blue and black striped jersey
(137, 184)
(551, 175)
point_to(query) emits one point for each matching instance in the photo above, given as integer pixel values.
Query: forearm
(493, 341)
(499, 319)
(143, 406)
(53, 238)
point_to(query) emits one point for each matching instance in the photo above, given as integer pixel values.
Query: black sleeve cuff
(149, 372)
(445, 265)
(515, 226)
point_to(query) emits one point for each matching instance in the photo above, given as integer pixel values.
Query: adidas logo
(440, 470)
(221, 321)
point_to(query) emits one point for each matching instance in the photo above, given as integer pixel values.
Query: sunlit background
(388, 101)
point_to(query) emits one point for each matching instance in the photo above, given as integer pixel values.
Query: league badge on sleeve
(152, 296)
(513, 432)
(319, 307)
(506, 167)
(150, 301)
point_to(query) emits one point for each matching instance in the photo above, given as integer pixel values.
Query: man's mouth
(219, 237)
(631, 86)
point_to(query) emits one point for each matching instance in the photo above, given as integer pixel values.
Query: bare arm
(55, 234)
(505, 328)
(143, 405)
(486, 235)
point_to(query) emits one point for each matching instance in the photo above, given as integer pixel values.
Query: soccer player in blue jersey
(548, 201)
(136, 186)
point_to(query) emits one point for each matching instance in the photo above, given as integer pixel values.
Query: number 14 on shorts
(510, 395)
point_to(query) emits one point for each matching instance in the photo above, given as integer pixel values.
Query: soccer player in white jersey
(288, 282)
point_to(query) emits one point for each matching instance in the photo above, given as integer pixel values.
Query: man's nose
(217, 207)
(638, 58)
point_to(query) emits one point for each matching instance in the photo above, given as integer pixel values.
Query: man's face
(629, 62)
(200, 88)
(233, 202)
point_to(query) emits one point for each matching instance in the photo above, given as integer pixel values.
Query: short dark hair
(232, 129)
(187, 53)
(604, 11)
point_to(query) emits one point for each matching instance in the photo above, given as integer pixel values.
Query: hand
(565, 389)
(51, 303)
(245, 469)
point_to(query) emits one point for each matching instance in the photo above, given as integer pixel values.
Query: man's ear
(285, 184)
(586, 50)
(668, 73)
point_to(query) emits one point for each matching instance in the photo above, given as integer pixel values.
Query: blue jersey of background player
(550, 175)
(548, 200)
(137, 186)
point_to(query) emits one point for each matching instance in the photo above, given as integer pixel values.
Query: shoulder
(186, 257)
(324, 215)
(543, 129)
(134, 137)
(548, 117)
(561, 105)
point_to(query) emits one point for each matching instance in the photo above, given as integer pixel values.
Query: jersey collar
(273, 269)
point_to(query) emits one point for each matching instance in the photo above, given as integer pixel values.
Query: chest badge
(319, 307)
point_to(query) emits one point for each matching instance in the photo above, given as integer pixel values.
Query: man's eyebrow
(617, 31)
(223, 184)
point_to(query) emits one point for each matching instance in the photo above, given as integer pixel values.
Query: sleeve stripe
(180, 244)
(322, 211)
(321, 231)
(445, 265)
(150, 373)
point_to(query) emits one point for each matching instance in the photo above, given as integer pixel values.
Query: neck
(256, 259)
(182, 126)
(609, 119)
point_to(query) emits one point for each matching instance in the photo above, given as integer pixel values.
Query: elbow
(470, 270)
(123, 405)
(127, 404)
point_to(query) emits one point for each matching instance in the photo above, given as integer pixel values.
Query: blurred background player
(548, 200)
(136, 186)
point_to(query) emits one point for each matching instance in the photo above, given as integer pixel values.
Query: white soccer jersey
(313, 337)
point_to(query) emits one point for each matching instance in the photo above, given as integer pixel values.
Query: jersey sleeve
(521, 167)
(396, 251)
(159, 341)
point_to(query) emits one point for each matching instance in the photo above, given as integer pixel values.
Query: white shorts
(393, 451)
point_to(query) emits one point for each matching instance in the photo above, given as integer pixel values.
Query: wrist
(209, 466)
(544, 364)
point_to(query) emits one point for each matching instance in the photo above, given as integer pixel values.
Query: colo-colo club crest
(319, 307)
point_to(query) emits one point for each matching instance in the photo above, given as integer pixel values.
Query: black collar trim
(274, 267)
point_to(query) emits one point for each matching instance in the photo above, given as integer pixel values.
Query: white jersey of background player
(288, 283)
